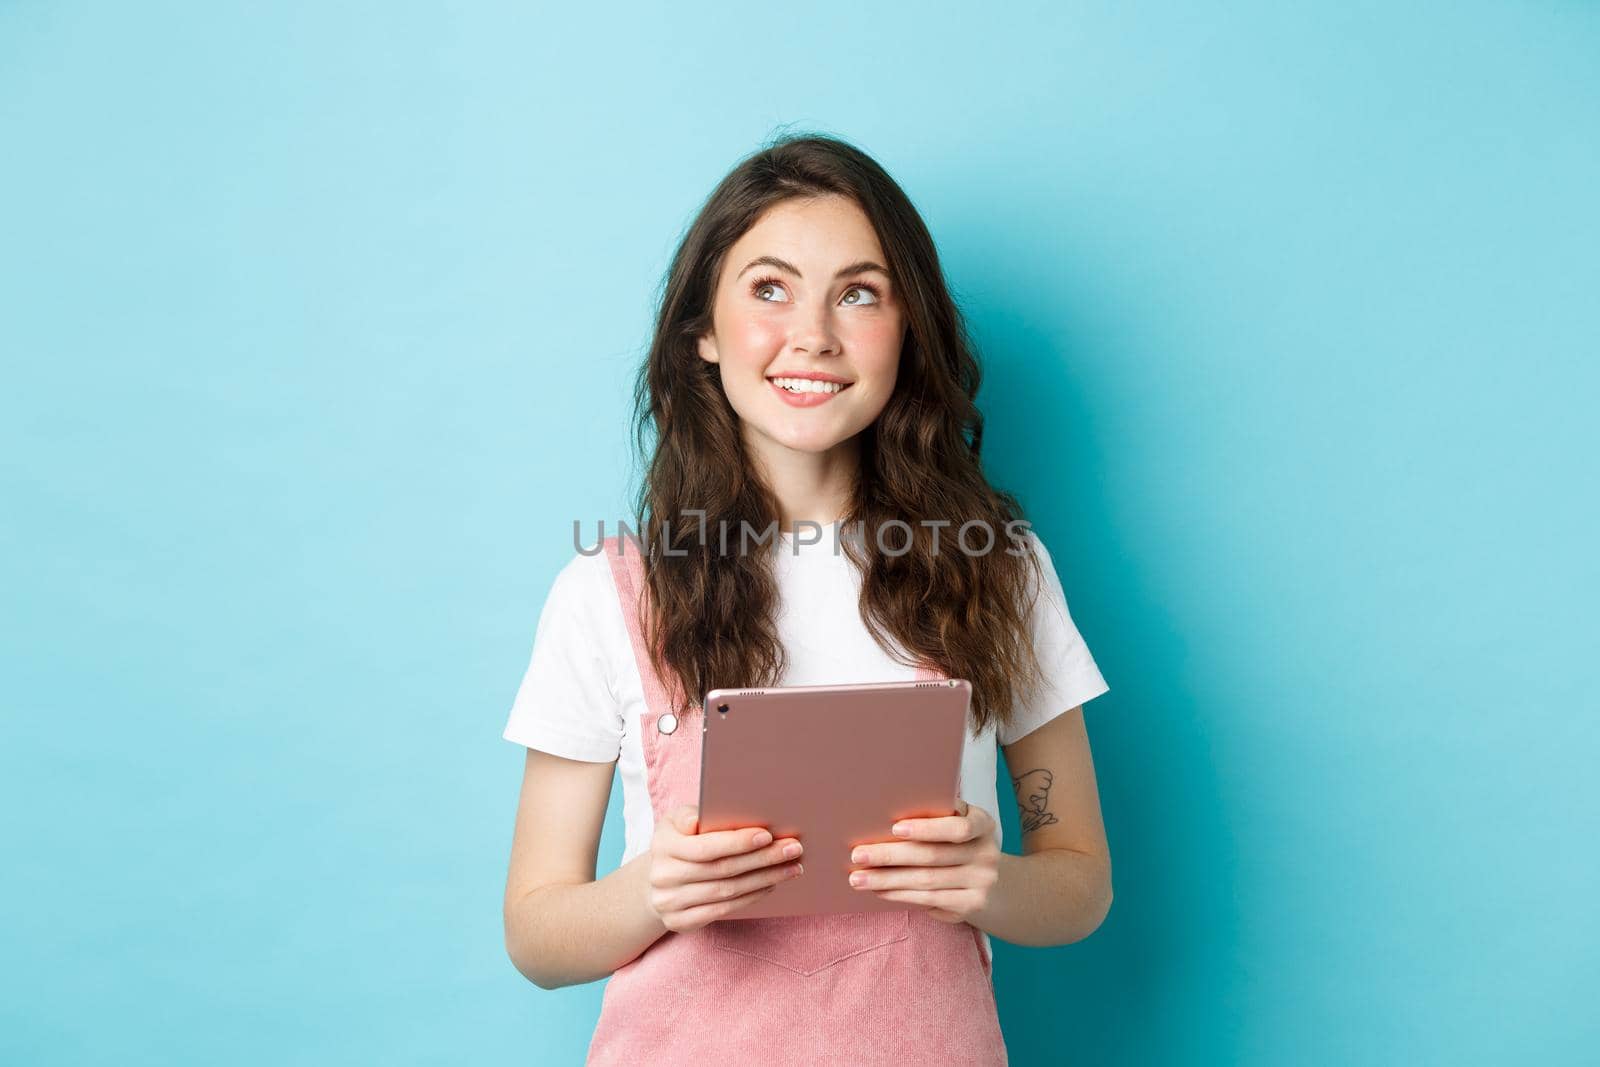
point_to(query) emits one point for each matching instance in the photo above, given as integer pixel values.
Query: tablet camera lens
(723, 708)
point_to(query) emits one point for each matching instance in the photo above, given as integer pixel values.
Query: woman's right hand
(696, 878)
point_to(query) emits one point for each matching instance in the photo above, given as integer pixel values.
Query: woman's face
(805, 292)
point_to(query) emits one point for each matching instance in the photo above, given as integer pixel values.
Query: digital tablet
(833, 766)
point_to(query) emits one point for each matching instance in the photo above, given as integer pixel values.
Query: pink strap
(627, 568)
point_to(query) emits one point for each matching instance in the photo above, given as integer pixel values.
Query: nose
(815, 335)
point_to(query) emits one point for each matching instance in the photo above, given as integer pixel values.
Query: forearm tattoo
(1033, 792)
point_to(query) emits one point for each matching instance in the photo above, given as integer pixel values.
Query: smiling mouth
(804, 386)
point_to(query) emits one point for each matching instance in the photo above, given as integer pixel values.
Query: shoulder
(1023, 542)
(582, 617)
(1045, 595)
(580, 612)
(587, 567)
(583, 588)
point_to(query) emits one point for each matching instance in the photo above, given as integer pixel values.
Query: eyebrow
(785, 265)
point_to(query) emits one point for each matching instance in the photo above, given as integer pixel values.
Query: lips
(803, 400)
(812, 376)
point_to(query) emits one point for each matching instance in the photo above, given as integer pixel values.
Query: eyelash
(756, 285)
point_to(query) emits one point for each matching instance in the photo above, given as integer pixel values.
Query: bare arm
(1059, 890)
(563, 927)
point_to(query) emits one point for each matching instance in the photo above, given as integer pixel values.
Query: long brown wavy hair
(711, 622)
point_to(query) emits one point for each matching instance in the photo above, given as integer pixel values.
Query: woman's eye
(855, 296)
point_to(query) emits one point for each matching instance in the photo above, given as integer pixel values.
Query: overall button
(667, 723)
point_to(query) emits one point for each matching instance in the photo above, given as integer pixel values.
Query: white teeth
(807, 385)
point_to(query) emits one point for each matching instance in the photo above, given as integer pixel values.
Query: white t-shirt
(582, 696)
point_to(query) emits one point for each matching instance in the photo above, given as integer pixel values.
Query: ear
(707, 346)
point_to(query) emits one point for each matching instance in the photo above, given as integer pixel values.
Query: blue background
(317, 331)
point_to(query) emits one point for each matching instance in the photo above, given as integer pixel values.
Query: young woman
(809, 374)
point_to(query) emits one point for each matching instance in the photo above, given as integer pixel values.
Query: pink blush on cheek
(879, 338)
(756, 344)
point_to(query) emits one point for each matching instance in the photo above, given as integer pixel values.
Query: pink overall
(888, 987)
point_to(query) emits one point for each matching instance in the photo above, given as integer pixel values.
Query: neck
(810, 486)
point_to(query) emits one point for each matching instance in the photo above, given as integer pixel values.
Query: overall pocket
(805, 944)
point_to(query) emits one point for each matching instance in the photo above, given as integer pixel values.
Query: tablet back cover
(834, 766)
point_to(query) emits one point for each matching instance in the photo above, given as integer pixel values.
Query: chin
(810, 442)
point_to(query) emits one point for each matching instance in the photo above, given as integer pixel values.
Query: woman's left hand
(947, 864)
